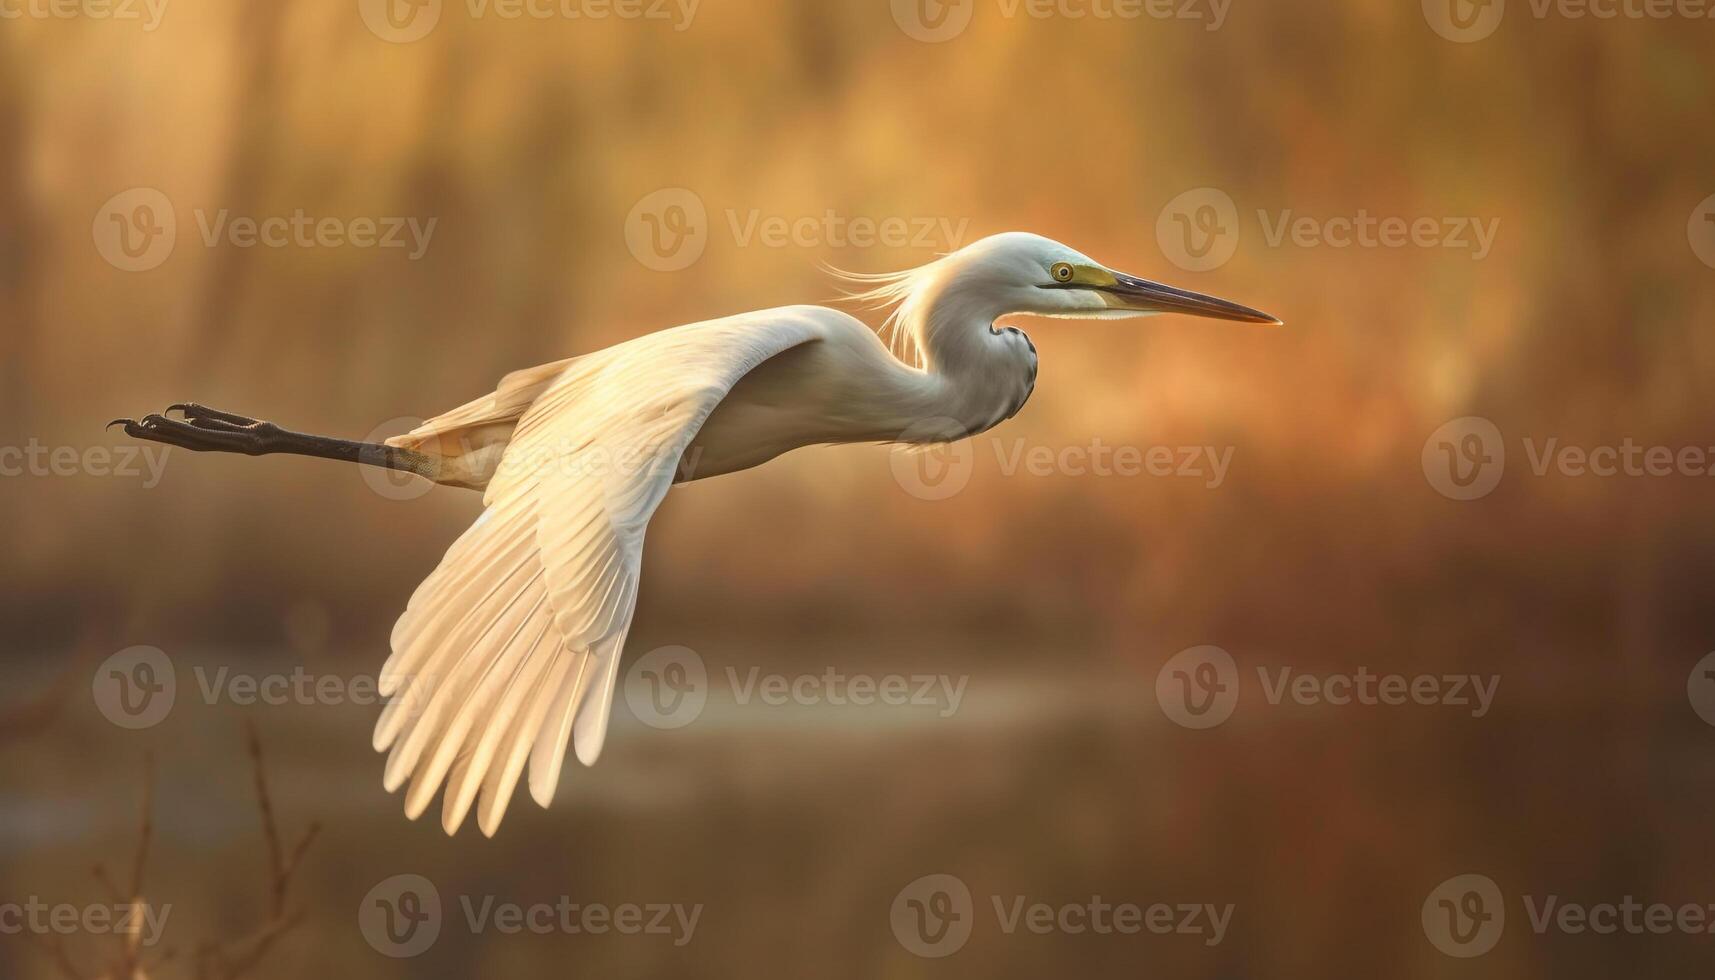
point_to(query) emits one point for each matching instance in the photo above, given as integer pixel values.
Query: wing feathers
(590, 729)
(469, 771)
(515, 745)
(508, 654)
(450, 740)
(548, 750)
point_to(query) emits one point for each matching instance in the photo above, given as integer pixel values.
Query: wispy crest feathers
(896, 292)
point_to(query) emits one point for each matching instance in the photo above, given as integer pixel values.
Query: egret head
(1024, 273)
(1017, 272)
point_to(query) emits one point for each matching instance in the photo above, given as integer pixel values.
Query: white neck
(969, 372)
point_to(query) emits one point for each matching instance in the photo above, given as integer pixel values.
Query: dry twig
(214, 960)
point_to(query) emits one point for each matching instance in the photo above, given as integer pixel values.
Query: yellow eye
(1061, 271)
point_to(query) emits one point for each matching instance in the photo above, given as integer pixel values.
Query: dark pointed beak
(1132, 293)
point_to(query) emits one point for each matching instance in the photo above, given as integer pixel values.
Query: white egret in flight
(509, 650)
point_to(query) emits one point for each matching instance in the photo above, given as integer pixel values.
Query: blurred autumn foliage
(1585, 143)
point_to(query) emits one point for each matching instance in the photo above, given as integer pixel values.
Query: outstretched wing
(511, 647)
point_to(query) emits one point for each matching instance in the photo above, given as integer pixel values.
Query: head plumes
(944, 305)
(900, 294)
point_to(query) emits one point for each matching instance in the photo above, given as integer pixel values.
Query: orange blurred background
(539, 147)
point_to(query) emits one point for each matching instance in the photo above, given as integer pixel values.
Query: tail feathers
(502, 407)
(468, 441)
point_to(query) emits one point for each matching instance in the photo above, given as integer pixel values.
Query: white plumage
(511, 648)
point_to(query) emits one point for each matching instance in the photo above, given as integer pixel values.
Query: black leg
(209, 430)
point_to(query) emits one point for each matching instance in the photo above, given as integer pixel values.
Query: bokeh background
(535, 144)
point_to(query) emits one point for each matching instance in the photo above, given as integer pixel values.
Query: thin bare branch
(56, 950)
(146, 833)
(229, 961)
(114, 895)
(211, 960)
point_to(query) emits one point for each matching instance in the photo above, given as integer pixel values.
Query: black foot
(197, 414)
(203, 430)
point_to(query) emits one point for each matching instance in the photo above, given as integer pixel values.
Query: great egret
(510, 648)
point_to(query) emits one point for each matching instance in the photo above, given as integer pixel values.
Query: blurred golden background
(540, 146)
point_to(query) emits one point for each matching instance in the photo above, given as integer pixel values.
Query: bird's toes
(201, 414)
(148, 427)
